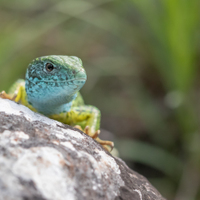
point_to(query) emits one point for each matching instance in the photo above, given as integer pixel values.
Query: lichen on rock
(41, 158)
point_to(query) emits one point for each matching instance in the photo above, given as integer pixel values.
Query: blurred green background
(142, 59)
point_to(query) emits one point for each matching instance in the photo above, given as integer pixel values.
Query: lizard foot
(107, 145)
(4, 95)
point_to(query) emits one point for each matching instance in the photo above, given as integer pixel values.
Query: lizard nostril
(66, 78)
(74, 72)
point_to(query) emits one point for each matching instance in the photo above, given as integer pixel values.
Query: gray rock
(42, 159)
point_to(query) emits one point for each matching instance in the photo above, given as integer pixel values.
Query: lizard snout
(81, 74)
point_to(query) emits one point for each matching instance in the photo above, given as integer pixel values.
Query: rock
(43, 159)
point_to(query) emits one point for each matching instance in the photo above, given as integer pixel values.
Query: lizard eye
(49, 67)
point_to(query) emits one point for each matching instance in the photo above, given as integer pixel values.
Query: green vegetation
(141, 58)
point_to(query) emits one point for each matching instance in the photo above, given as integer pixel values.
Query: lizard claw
(107, 145)
(87, 131)
(94, 135)
(78, 127)
(4, 95)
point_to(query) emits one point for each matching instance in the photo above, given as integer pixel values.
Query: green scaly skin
(51, 87)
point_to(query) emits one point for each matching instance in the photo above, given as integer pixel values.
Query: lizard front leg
(18, 94)
(15, 92)
(86, 118)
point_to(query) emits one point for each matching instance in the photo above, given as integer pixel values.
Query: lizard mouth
(52, 81)
(67, 81)
(74, 84)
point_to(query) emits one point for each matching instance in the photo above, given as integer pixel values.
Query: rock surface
(43, 159)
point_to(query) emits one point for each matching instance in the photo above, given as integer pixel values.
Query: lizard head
(54, 79)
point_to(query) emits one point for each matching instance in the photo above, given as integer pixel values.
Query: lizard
(51, 87)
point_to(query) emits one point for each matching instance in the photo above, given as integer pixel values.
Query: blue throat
(51, 107)
(48, 109)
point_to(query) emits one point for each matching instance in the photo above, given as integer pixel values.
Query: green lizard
(51, 87)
